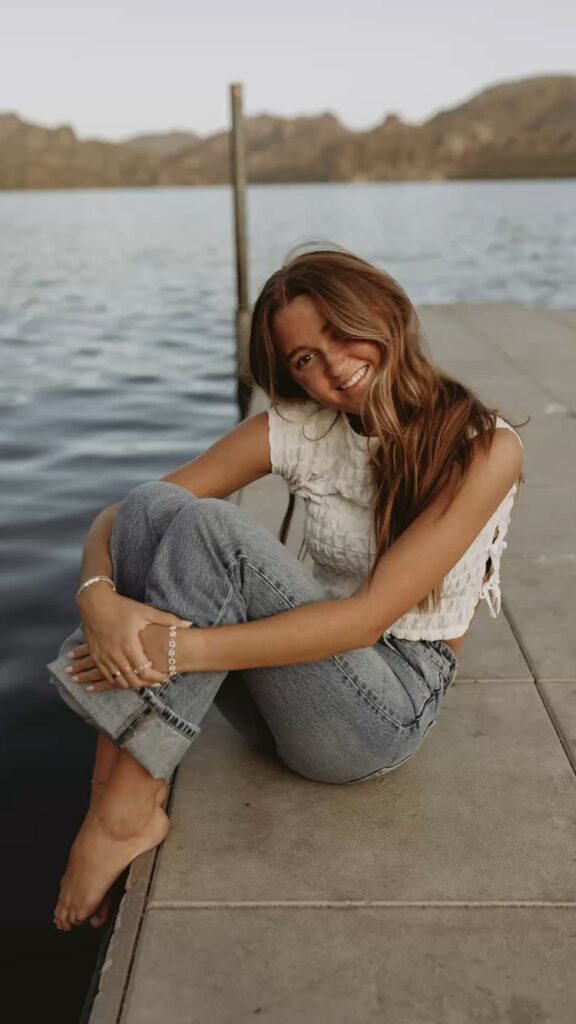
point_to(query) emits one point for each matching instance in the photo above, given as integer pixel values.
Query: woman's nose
(337, 367)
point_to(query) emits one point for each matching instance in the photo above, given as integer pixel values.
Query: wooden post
(238, 173)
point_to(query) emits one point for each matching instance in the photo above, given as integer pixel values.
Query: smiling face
(321, 361)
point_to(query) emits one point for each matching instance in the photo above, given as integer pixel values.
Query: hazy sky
(112, 69)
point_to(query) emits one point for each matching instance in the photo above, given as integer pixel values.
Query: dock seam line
(145, 907)
(366, 904)
(538, 682)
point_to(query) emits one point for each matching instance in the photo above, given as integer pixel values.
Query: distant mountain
(516, 129)
(160, 145)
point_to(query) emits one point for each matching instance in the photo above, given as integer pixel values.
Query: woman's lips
(358, 382)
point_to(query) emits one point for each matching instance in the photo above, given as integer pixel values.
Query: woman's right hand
(111, 626)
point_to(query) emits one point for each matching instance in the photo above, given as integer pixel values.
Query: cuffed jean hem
(156, 745)
(148, 732)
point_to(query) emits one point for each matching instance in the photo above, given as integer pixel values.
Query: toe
(100, 914)
(64, 917)
(58, 915)
(85, 915)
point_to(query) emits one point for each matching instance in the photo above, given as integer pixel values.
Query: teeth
(360, 373)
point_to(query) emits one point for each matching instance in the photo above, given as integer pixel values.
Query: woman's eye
(298, 361)
(335, 337)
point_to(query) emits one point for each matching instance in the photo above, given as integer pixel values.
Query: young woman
(408, 482)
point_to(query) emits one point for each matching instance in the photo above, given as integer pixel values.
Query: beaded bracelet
(172, 651)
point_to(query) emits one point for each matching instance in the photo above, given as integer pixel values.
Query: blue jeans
(345, 719)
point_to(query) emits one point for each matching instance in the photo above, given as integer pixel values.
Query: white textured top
(332, 475)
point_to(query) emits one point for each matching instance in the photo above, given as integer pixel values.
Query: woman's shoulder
(295, 409)
(291, 413)
(500, 422)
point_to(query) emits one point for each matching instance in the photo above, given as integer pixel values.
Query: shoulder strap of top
(499, 423)
(502, 423)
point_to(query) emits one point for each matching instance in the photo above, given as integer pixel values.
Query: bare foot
(100, 915)
(98, 855)
(97, 791)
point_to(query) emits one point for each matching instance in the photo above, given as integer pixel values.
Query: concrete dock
(444, 893)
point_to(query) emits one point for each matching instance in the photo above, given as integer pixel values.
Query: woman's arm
(96, 559)
(408, 570)
(310, 632)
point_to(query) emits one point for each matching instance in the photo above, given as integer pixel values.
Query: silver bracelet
(94, 579)
(172, 651)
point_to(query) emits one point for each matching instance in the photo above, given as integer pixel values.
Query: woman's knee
(215, 516)
(151, 490)
(154, 502)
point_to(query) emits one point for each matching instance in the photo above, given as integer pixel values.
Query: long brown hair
(418, 412)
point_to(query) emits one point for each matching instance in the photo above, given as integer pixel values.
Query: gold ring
(140, 668)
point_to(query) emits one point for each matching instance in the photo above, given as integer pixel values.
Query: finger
(92, 676)
(137, 656)
(105, 671)
(149, 676)
(100, 687)
(111, 666)
(127, 679)
(127, 665)
(143, 683)
(108, 665)
(80, 665)
(78, 651)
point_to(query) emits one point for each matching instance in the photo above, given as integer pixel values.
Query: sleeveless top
(332, 475)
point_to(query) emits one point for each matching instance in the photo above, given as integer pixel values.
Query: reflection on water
(118, 365)
(118, 361)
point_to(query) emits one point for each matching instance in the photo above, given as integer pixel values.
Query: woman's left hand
(154, 638)
(85, 670)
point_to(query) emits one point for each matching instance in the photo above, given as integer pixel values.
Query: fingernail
(68, 669)
(155, 685)
(74, 679)
(71, 654)
(89, 687)
(94, 920)
(184, 622)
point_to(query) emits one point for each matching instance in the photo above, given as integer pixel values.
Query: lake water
(118, 361)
